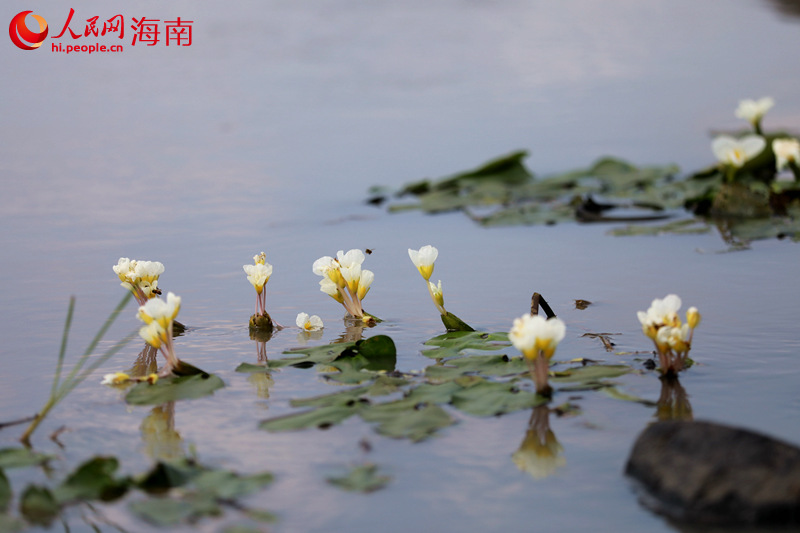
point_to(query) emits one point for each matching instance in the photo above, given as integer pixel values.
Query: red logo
(20, 34)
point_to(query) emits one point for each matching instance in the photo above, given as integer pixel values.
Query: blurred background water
(266, 133)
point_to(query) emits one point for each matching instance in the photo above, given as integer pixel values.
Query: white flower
(532, 334)
(693, 317)
(258, 275)
(736, 152)
(153, 334)
(352, 257)
(330, 288)
(436, 293)
(308, 323)
(786, 150)
(148, 270)
(123, 267)
(423, 259)
(117, 378)
(753, 110)
(364, 283)
(351, 275)
(661, 312)
(260, 258)
(160, 311)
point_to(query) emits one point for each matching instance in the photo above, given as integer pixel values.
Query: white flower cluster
(258, 275)
(139, 277)
(673, 338)
(159, 316)
(344, 280)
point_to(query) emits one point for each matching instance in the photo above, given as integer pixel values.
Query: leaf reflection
(673, 404)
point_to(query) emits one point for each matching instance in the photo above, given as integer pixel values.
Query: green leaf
(5, 493)
(590, 373)
(226, 485)
(322, 417)
(163, 511)
(92, 480)
(20, 457)
(38, 506)
(249, 368)
(342, 397)
(164, 476)
(457, 343)
(415, 424)
(363, 478)
(485, 365)
(311, 355)
(619, 395)
(453, 323)
(260, 515)
(175, 388)
(378, 351)
(491, 399)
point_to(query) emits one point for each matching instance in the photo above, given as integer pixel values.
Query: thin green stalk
(61, 388)
(63, 350)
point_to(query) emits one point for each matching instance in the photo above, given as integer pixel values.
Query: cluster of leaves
(504, 192)
(411, 406)
(174, 492)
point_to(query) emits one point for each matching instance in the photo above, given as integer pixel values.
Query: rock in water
(708, 473)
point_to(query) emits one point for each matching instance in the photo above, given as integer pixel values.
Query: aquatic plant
(672, 338)
(61, 388)
(424, 260)
(344, 280)
(754, 110)
(158, 316)
(258, 275)
(537, 338)
(139, 277)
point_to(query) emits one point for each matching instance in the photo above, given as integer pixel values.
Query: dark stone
(706, 473)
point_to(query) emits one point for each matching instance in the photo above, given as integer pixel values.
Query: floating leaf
(174, 388)
(485, 365)
(311, 355)
(679, 227)
(20, 457)
(491, 399)
(38, 506)
(415, 424)
(590, 373)
(619, 395)
(10, 524)
(456, 343)
(167, 475)
(163, 512)
(226, 485)
(250, 368)
(322, 417)
(92, 480)
(363, 478)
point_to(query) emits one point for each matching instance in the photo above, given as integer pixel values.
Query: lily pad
(322, 418)
(590, 373)
(362, 478)
(163, 512)
(250, 368)
(453, 323)
(311, 355)
(173, 389)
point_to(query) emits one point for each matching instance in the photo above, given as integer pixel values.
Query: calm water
(266, 133)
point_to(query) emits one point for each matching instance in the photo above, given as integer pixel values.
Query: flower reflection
(673, 404)
(539, 454)
(261, 337)
(262, 382)
(162, 442)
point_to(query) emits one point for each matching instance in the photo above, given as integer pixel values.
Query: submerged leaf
(363, 478)
(174, 388)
